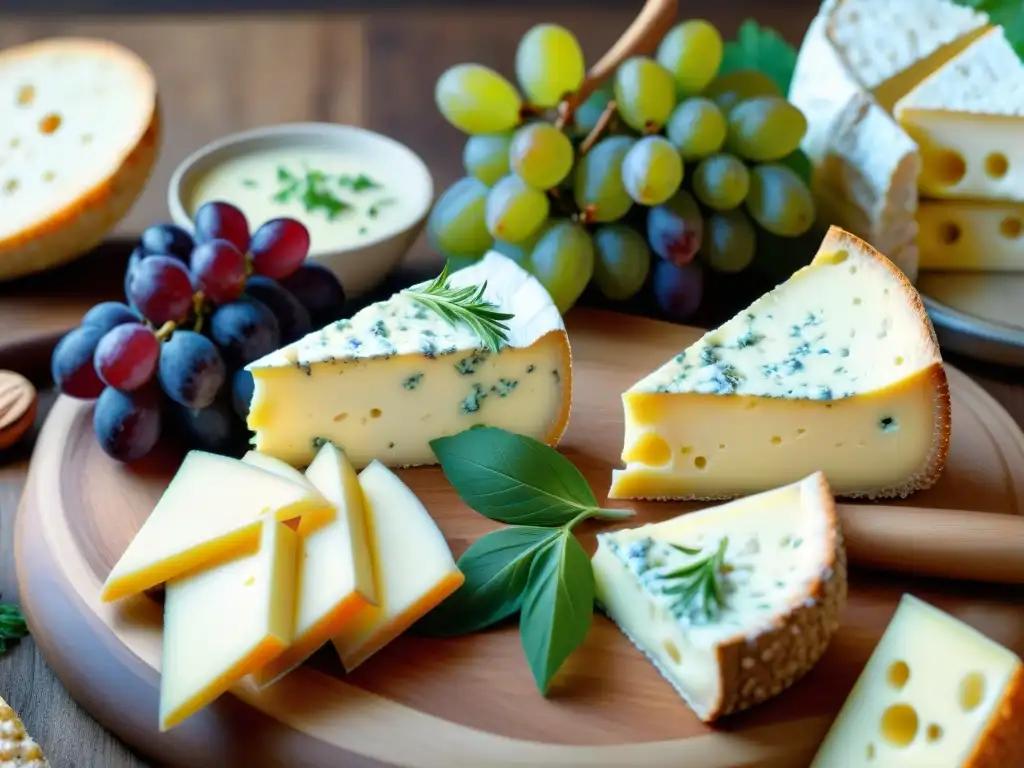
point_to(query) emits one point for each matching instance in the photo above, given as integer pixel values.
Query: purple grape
(72, 363)
(292, 318)
(127, 424)
(222, 221)
(245, 330)
(127, 356)
(167, 240)
(219, 268)
(242, 386)
(678, 290)
(191, 370)
(319, 291)
(161, 287)
(109, 314)
(675, 228)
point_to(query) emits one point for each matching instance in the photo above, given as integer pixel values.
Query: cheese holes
(50, 123)
(26, 95)
(340, 417)
(1011, 227)
(375, 413)
(801, 431)
(672, 651)
(972, 691)
(949, 232)
(945, 167)
(650, 449)
(898, 674)
(933, 733)
(837, 257)
(888, 424)
(996, 165)
(700, 462)
(776, 440)
(899, 725)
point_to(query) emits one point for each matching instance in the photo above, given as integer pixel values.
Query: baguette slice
(79, 131)
(17, 748)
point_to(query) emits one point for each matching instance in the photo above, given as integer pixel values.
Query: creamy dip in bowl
(363, 196)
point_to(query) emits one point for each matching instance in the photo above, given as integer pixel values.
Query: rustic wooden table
(219, 74)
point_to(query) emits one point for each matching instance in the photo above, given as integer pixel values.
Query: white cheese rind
(835, 370)
(784, 588)
(397, 375)
(934, 692)
(966, 236)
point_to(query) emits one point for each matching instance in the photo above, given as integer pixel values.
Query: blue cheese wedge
(779, 571)
(836, 370)
(936, 692)
(967, 118)
(386, 382)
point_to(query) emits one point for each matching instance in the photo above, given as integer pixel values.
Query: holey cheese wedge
(836, 369)
(413, 567)
(334, 582)
(968, 236)
(734, 603)
(935, 693)
(79, 132)
(223, 622)
(211, 512)
(968, 118)
(395, 376)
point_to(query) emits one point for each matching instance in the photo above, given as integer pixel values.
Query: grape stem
(599, 127)
(165, 330)
(641, 37)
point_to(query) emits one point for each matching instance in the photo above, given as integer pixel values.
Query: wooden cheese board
(466, 701)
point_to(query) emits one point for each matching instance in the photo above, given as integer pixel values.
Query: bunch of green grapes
(668, 168)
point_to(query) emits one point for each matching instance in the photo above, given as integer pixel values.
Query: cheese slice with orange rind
(78, 139)
(836, 370)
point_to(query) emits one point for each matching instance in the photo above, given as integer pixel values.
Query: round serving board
(977, 315)
(468, 701)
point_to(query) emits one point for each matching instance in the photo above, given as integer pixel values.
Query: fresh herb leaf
(357, 183)
(696, 585)
(515, 479)
(558, 606)
(374, 210)
(763, 49)
(311, 190)
(496, 568)
(466, 304)
(12, 625)
(250, 183)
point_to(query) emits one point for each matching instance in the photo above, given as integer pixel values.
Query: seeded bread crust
(17, 748)
(77, 228)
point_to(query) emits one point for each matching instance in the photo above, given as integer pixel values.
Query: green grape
(765, 128)
(622, 261)
(549, 64)
(598, 188)
(652, 170)
(541, 155)
(730, 89)
(457, 226)
(563, 262)
(692, 51)
(485, 156)
(514, 209)
(780, 201)
(721, 181)
(589, 112)
(697, 128)
(520, 252)
(476, 99)
(729, 241)
(645, 93)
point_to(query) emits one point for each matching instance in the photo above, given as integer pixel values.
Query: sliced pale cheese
(971, 237)
(936, 692)
(782, 581)
(222, 623)
(275, 466)
(835, 370)
(968, 118)
(395, 376)
(210, 512)
(78, 139)
(335, 578)
(413, 567)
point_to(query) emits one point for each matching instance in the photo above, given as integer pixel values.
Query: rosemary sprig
(466, 304)
(696, 585)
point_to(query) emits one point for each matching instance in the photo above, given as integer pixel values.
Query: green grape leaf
(763, 49)
(558, 607)
(515, 479)
(496, 568)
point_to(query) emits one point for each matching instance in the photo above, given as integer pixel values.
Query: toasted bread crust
(1002, 742)
(69, 232)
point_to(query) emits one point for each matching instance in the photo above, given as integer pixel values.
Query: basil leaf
(558, 606)
(496, 568)
(515, 479)
(763, 49)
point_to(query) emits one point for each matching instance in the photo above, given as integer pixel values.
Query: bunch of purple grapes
(198, 310)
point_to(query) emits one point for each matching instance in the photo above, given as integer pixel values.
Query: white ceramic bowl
(360, 266)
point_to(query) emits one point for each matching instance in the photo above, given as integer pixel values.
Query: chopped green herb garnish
(250, 183)
(696, 585)
(374, 211)
(357, 183)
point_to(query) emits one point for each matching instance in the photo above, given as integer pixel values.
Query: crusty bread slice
(79, 132)
(17, 748)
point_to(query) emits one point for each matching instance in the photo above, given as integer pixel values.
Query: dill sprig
(466, 304)
(696, 585)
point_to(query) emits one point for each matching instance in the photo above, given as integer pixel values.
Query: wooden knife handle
(956, 544)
